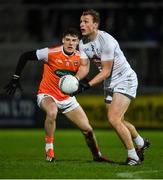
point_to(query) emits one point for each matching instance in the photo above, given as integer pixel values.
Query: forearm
(105, 73)
(98, 79)
(82, 73)
(31, 55)
(14, 83)
(83, 69)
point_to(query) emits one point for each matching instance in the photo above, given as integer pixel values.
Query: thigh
(48, 105)
(78, 117)
(67, 105)
(119, 105)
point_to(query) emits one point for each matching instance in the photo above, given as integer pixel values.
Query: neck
(93, 35)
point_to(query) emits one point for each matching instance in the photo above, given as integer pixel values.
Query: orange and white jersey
(57, 64)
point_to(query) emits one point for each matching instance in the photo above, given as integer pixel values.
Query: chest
(93, 49)
(63, 62)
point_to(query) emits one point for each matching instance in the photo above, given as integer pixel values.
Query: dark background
(31, 24)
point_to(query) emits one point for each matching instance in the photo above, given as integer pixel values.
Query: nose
(71, 42)
(81, 24)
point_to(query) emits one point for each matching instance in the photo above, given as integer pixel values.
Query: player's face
(70, 43)
(87, 26)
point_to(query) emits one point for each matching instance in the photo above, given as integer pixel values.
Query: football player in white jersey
(120, 81)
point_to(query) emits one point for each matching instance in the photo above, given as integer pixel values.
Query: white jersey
(105, 48)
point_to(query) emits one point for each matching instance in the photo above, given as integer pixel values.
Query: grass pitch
(22, 156)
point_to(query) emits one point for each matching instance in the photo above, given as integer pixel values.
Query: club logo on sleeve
(75, 62)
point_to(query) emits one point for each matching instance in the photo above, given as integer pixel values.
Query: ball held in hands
(68, 84)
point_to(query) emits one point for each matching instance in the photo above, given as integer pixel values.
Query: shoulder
(76, 53)
(106, 39)
(104, 36)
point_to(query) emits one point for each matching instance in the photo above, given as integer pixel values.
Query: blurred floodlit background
(31, 24)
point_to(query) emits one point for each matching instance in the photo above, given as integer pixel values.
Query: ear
(96, 25)
(62, 40)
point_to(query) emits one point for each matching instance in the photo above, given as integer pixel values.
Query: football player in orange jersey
(59, 61)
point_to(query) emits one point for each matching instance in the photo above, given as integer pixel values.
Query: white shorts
(127, 85)
(65, 106)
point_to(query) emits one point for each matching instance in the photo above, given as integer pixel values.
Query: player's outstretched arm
(14, 83)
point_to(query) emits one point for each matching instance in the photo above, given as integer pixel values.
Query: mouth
(70, 48)
(82, 30)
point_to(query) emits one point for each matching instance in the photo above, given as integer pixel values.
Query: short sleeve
(108, 51)
(42, 54)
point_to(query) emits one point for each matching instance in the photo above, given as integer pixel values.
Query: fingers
(10, 91)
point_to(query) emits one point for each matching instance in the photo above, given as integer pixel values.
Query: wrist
(89, 84)
(77, 78)
(15, 76)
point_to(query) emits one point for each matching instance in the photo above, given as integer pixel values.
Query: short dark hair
(94, 14)
(72, 32)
